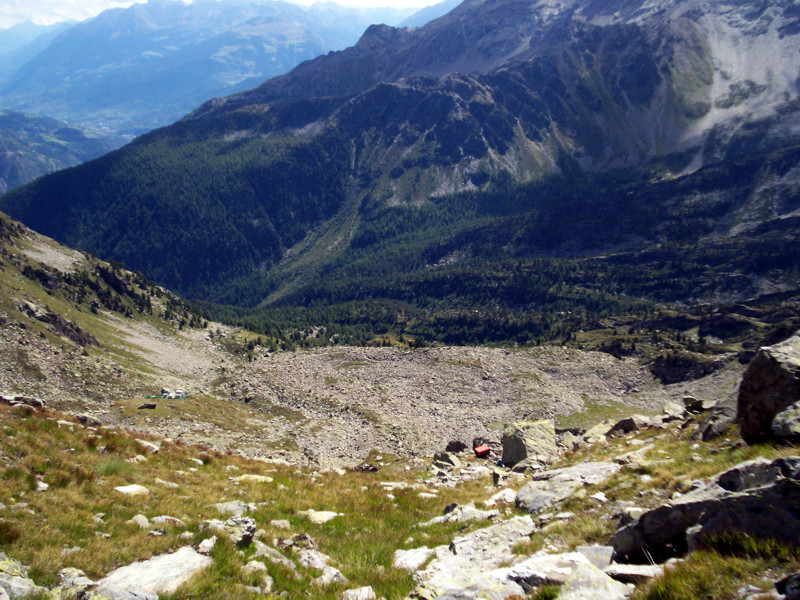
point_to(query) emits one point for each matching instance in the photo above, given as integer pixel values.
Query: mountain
(131, 70)
(429, 13)
(33, 145)
(99, 459)
(20, 43)
(345, 24)
(472, 178)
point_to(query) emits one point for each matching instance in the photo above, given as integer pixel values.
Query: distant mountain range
(467, 170)
(32, 145)
(131, 70)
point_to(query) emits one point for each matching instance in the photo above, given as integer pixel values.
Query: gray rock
(786, 424)
(599, 556)
(109, 593)
(313, 559)
(207, 545)
(74, 579)
(633, 573)
(673, 411)
(629, 425)
(545, 569)
(549, 487)
(411, 560)
(769, 386)
(319, 517)
(272, 555)
(598, 432)
(465, 566)
(568, 440)
(239, 529)
(159, 575)
(789, 586)
(11, 567)
(588, 582)
(19, 587)
(132, 490)
(237, 508)
(167, 520)
(362, 593)
(531, 441)
(280, 524)
(693, 405)
(718, 421)
(462, 514)
(151, 447)
(329, 576)
(734, 502)
(141, 521)
(446, 460)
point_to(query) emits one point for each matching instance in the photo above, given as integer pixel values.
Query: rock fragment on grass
(132, 490)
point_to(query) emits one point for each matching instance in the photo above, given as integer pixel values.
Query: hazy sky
(46, 12)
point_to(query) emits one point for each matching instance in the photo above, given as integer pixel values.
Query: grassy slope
(82, 466)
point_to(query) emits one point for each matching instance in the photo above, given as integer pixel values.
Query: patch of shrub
(9, 533)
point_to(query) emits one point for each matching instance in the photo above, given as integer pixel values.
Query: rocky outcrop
(758, 498)
(160, 575)
(59, 325)
(528, 443)
(465, 565)
(549, 487)
(721, 416)
(240, 530)
(14, 581)
(770, 386)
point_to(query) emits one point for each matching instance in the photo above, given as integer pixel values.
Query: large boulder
(465, 567)
(162, 574)
(758, 498)
(770, 386)
(530, 442)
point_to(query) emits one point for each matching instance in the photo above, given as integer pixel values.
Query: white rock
(161, 574)
(251, 478)
(362, 593)
(466, 563)
(151, 447)
(41, 486)
(319, 517)
(167, 520)
(207, 545)
(168, 484)
(280, 524)
(462, 514)
(506, 496)
(132, 490)
(587, 581)
(235, 507)
(411, 560)
(544, 569)
(330, 576)
(141, 521)
(313, 559)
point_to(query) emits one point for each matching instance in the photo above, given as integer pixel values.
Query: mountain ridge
(316, 175)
